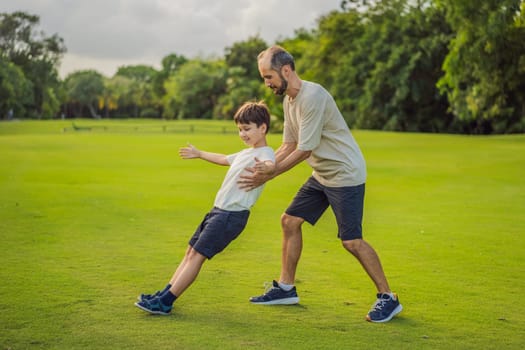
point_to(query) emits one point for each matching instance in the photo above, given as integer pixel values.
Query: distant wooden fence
(149, 128)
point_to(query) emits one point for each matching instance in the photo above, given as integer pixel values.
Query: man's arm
(284, 151)
(190, 152)
(287, 156)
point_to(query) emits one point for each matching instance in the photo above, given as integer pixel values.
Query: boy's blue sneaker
(143, 297)
(384, 308)
(154, 306)
(276, 296)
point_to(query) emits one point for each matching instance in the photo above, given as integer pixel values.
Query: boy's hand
(189, 152)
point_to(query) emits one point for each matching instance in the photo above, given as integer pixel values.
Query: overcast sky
(106, 34)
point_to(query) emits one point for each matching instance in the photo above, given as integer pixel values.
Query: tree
(242, 78)
(170, 65)
(116, 94)
(85, 88)
(238, 90)
(244, 54)
(193, 91)
(16, 92)
(37, 55)
(145, 102)
(406, 47)
(381, 61)
(484, 78)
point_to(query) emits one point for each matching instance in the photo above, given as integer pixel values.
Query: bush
(149, 113)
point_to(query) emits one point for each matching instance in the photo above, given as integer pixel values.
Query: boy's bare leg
(181, 266)
(187, 272)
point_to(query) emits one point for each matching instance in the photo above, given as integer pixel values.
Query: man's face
(273, 79)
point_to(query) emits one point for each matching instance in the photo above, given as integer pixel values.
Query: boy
(231, 208)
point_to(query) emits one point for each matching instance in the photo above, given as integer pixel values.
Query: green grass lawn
(91, 219)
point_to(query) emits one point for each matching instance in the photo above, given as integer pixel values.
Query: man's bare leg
(292, 247)
(369, 259)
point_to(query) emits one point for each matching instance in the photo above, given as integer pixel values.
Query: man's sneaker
(143, 297)
(275, 295)
(384, 308)
(154, 306)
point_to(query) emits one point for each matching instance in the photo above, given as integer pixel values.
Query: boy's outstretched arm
(190, 152)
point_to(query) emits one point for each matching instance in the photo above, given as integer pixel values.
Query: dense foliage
(424, 65)
(29, 83)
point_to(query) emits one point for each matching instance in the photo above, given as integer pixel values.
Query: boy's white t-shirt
(230, 196)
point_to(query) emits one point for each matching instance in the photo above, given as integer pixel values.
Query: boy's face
(252, 135)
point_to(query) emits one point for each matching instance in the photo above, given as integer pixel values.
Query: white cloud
(106, 34)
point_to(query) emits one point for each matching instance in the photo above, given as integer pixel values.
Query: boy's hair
(253, 112)
(279, 57)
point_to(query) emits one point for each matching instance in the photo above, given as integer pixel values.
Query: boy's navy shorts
(312, 199)
(218, 229)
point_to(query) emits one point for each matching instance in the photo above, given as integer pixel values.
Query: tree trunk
(93, 111)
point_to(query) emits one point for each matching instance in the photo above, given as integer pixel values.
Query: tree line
(400, 65)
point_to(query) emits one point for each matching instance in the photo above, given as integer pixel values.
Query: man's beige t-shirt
(313, 121)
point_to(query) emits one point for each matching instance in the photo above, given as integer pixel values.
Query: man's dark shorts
(218, 229)
(312, 199)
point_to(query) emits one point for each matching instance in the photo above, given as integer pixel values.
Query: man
(315, 131)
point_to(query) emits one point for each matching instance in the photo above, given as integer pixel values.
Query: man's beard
(284, 86)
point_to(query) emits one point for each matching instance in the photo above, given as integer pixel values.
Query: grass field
(91, 219)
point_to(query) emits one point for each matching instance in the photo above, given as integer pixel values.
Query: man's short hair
(279, 57)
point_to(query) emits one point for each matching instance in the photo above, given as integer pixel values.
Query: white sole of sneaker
(284, 301)
(397, 310)
(152, 312)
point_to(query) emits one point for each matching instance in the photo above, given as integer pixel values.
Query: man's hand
(252, 179)
(266, 167)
